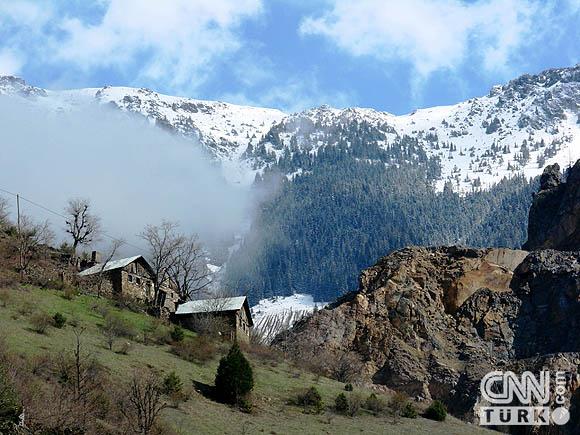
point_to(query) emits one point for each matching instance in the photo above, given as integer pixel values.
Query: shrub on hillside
(409, 411)
(58, 320)
(348, 387)
(375, 404)
(125, 302)
(156, 333)
(341, 404)
(234, 378)
(141, 404)
(198, 349)
(10, 408)
(26, 308)
(436, 411)
(397, 404)
(8, 279)
(52, 284)
(69, 292)
(310, 400)
(40, 322)
(173, 388)
(4, 297)
(177, 334)
(265, 354)
(172, 384)
(125, 348)
(115, 327)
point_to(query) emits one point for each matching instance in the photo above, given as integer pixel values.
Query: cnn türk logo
(531, 393)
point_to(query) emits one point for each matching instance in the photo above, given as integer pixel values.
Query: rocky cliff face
(433, 321)
(555, 214)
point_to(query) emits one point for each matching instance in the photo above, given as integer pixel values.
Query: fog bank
(133, 173)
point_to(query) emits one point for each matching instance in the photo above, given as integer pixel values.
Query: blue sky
(389, 55)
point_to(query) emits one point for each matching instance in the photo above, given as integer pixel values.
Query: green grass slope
(275, 381)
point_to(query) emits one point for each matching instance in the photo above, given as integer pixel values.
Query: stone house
(130, 277)
(231, 316)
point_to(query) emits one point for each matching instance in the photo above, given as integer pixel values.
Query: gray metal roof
(211, 305)
(111, 265)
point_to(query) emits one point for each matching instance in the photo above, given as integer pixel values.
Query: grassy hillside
(276, 381)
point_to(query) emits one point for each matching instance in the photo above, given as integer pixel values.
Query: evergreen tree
(234, 378)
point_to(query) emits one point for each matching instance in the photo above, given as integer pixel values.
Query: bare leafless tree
(211, 321)
(187, 269)
(163, 241)
(143, 402)
(82, 225)
(30, 237)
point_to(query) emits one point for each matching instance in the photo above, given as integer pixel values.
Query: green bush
(341, 404)
(436, 411)
(310, 400)
(409, 411)
(348, 387)
(234, 378)
(246, 405)
(375, 404)
(10, 408)
(178, 334)
(58, 320)
(172, 384)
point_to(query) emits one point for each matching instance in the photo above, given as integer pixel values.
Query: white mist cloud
(133, 173)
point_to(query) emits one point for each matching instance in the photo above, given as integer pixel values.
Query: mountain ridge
(517, 128)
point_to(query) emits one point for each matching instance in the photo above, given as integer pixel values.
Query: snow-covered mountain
(517, 128)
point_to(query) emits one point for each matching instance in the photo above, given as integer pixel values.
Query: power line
(34, 203)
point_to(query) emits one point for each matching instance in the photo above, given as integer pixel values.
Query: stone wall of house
(106, 288)
(136, 285)
(242, 326)
(171, 299)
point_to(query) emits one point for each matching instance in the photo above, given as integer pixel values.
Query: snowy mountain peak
(15, 86)
(517, 128)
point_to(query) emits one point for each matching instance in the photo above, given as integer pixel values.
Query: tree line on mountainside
(320, 229)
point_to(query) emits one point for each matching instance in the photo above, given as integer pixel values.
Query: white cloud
(432, 35)
(171, 42)
(10, 63)
(290, 95)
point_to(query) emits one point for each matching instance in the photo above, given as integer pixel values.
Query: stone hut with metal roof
(228, 317)
(131, 278)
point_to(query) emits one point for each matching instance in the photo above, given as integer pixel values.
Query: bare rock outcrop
(433, 321)
(422, 321)
(554, 221)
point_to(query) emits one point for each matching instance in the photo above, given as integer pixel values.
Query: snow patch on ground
(274, 315)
